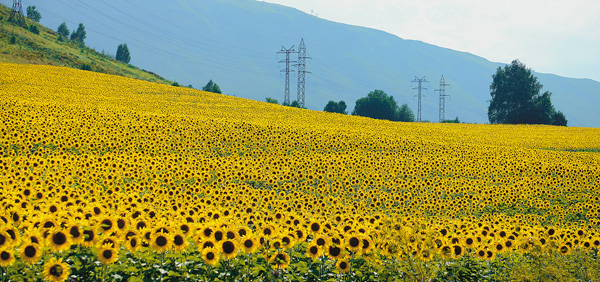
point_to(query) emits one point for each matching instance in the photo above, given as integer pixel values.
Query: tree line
(515, 92)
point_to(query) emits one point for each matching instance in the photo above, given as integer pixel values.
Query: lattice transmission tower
(419, 95)
(16, 14)
(287, 61)
(443, 95)
(302, 73)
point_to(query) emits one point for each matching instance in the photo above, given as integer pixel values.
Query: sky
(560, 37)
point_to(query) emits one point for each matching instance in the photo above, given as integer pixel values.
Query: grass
(46, 48)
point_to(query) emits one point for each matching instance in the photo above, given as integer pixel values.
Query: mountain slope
(234, 42)
(46, 49)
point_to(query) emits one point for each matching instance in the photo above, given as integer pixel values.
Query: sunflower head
(107, 254)
(228, 249)
(56, 270)
(179, 241)
(249, 244)
(58, 240)
(6, 258)
(342, 266)
(161, 242)
(280, 260)
(31, 253)
(210, 256)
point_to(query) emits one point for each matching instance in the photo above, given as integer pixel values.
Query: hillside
(234, 42)
(150, 179)
(46, 49)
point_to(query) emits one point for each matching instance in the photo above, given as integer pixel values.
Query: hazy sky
(560, 37)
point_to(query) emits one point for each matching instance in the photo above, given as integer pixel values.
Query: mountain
(46, 48)
(234, 43)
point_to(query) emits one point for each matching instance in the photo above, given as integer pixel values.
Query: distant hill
(46, 49)
(234, 42)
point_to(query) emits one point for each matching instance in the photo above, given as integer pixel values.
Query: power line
(419, 88)
(287, 61)
(216, 62)
(442, 91)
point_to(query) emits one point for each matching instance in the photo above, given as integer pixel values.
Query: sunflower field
(104, 178)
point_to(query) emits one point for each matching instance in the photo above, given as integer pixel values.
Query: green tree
(212, 87)
(405, 113)
(272, 100)
(377, 105)
(559, 119)
(336, 107)
(516, 97)
(456, 120)
(63, 30)
(33, 14)
(123, 54)
(79, 35)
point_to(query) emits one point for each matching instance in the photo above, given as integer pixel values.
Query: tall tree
(63, 30)
(212, 87)
(377, 105)
(405, 113)
(33, 14)
(516, 97)
(123, 54)
(336, 107)
(79, 35)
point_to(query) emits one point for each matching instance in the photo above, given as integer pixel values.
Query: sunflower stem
(247, 267)
(162, 265)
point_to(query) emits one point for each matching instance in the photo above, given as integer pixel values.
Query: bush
(13, 40)
(86, 67)
(34, 29)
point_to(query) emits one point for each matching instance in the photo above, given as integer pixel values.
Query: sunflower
(6, 258)
(179, 241)
(58, 240)
(231, 235)
(56, 270)
(481, 253)
(76, 234)
(249, 244)
(210, 256)
(342, 266)
(367, 244)
(133, 244)
(314, 251)
(322, 241)
(208, 243)
(89, 238)
(353, 243)
(280, 260)
(228, 249)
(31, 253)
(107, 225)
(335, 252)
(107, 254)
(564, 249)
(425, 255)
(314, 227)
(5, 240)
(287, 242)
(161, 242)
(446, 251)
(218, 235)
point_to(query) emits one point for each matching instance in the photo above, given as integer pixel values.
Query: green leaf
(173, 273)
(131, 269)
(135, 279)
